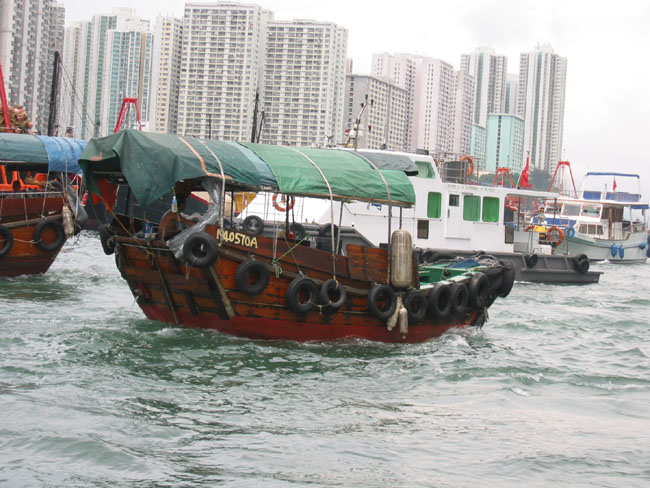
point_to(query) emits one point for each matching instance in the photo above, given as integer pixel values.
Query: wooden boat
(37, 201)
(202, 274)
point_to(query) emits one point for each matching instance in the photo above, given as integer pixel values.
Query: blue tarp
(59, 153)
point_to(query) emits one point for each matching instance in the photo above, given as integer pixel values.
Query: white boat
(451, 215)
(601, 223)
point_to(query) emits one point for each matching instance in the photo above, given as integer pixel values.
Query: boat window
(454, 200)
(471, 208)
(591, 211)
(490, 209)
(571, 210)
(423, 229)
(591, 229)
(433, 205)
(425, 170)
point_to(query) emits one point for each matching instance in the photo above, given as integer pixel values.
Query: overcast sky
(607, 44)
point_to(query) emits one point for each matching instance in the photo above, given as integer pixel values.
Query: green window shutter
(471, 208)
(433, 205)
(490, 209)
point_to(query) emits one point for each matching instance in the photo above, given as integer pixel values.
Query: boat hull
(634, 250)
(548, 268)
(21, 216)
(171, 291)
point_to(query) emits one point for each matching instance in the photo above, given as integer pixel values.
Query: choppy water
(554, 390)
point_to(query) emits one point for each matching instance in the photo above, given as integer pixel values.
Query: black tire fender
(581, 263)
(107, 238)
(507, 278)
(59, 235)
(5, 233)
(201, 250)
(332, 287)
(302, 295)
(459, 298)
(253, 225)
(382, 301)
(298, 231)
(440, 301)
(251, 277)
(531, 260)
(325, 230)
(416, 305)
(479, 290)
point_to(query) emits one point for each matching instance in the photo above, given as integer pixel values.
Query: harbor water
(553, 390)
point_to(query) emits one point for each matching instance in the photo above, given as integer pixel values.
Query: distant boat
(601, 220)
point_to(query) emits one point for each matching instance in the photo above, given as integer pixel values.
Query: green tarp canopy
(153, 163)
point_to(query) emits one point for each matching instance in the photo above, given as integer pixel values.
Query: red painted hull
(293, 330)
(20, 214)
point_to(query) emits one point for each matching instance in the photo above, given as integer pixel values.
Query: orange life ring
(471, 164)
(290, 202)
(555, 235)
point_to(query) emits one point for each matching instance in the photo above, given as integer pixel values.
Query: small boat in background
(204, 273)
(605, 220)
(39, 205)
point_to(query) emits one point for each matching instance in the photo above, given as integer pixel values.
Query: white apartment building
(30, 32)
(304, 75)
(463, 112)
(400, 70)
(489, 71)
(223, 45)
(512, 90)
(165, 75)
(432, 85)
(542, 88)
(382, 124)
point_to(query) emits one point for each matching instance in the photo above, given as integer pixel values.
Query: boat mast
(51, 121)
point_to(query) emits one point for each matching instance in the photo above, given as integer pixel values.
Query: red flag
(614, 186)
(523, 181)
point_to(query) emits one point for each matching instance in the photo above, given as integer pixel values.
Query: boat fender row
(253, 225)
(581, 263)
(617, 249)
(304, 296)
(508, 277)
(59, 235)
(8, 238)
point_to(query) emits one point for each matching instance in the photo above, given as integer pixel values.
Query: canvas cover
(60, 154)
(153, 163)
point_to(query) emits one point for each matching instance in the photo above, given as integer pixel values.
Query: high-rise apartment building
(383, 121)
(304, 74)
(400, 70)
(432, 86)
(489, 71)
(223, 45)
(165, 75)
(105, 60)
(512, 89)
(542, 87)
(505, 142)
(30, 32)
(127, 65)
(463, 111)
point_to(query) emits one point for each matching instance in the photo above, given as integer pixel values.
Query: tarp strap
(334, 238)
(222, 203)
(390, 205)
